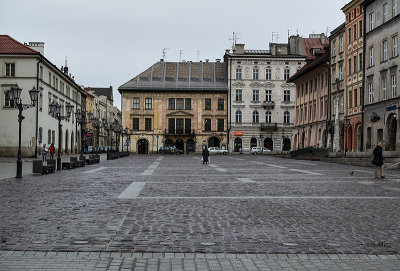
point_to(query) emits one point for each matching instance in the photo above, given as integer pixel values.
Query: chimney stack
(66, 67)
(37, 46)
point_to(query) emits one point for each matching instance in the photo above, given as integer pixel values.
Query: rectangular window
(171, 126)
(49, 136)
(268, 74)
(238, 73)
(341, 101)
(355, 97)
(355, 64)
(268, 95)
(394, 85)
(238, 95)
(148, 104)
(255, 74)
(136, 103)
(371, 21)
(371, 56)
(179, 126)
(207, 105)
(334, 48)
(349, 65)
(256, 95)
(147, 124)
(394, 8)
(53, 137)
(10, 69)
(188, 126)
(286, 95)
(349, 35)
(305, 112)
(385, 50)
(207, 125)
(179, 103)
(286, 74)
(360, 58)
(341, 73)
(370, 93)
(171, 104)
(135, 124)
(341, 44)
(350, 99)
(220, 125)
(221, 103)
(395, 47)
(188, 104)
(7, 101)
(360, 28)
(385, 12)
(384, 88)
(355, 32)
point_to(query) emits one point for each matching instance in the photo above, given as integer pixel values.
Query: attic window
(255, 62)
(269, 62)
(239, 62)
(286, 63)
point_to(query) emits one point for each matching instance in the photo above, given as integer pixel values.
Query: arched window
(286, 117)
(238, 116)
(256, 117)
(268, 117)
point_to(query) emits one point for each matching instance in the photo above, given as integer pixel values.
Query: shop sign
(238, 133)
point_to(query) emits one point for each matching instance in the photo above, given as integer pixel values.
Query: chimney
(66, 67)
(37, 46)
(239, 49)
(218, 60)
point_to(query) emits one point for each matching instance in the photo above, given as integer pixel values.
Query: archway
(66, 142)
(143, 146)
(286, 144)
(237, 144)
(190, 146)
(179, 144)
(391, 132)
(169, 142)
(213, 142)
(269, 143)
(253, 143)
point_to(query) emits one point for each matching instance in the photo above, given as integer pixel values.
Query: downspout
(363, 82)
(37, 107)
(229, 111)
(328, 108)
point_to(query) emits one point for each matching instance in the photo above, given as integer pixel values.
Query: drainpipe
(37, 107)
(229, 111)
(363, 82)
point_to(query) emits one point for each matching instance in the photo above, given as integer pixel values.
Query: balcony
(269, 127)
(287, 104)
(268, 104)
(180, 132)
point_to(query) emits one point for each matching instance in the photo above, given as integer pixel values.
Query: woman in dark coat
(378, 160)
(205, 153)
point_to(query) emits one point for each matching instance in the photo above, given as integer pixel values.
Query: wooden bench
(96, 158)
(68, 165)
(78, 163)
(39, 168)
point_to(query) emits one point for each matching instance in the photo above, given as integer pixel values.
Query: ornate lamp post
(55, 110)
(108, 128)
(283, 137)
(157, 142)
(15, 95)
(96, 124)
(81, 119)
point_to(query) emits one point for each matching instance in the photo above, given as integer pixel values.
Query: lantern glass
(34, 95)
(11, 94)
(126, 130)
(58, 109)
(16, 92)
(69, 109)
(52, 107)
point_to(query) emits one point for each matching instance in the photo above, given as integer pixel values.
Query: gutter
(37, 107)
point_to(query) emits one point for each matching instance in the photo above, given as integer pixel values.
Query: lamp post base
(19, 169)
(58, 163)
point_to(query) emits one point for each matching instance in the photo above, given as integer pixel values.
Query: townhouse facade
(261, 102)
(382, 71)
(353, 74)
(26, 65)
(181, 104)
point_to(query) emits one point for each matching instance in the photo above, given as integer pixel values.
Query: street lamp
(96, 124)
(157, 143)
(108, 128)
(81, 119)
(283, 137)
(14, 94)
(55, 110)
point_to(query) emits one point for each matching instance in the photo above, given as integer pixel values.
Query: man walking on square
(52, 150)
(378, 160)
(205, 153)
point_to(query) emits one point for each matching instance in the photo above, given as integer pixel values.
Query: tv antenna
(234, 39)
(164, 53)
(180, 55)
(275, 35)
(328, 29)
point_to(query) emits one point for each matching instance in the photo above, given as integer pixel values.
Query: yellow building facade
(181, 104)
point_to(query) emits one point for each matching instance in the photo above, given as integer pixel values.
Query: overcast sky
(110, 42)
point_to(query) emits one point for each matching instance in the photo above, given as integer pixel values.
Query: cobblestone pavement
(236, 205)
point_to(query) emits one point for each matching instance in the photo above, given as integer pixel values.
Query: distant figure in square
(45, 150)
(205, 153)
(377, 161)
(52, 150)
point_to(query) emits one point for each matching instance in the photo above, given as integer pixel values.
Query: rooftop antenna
(275, 35)
(180, 55)
(198, 54)
(288, 34)
(164, 53)
(234, 39)
(66, 60)
(328, 29)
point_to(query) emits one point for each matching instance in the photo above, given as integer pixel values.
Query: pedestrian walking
(52, 150)
(377, 161)
(45, 150)
(205, 155)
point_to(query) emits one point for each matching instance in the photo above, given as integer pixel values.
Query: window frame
(146, 124)
(286, 95)
(239, 94)
(238, 73)
(256, 117)
(255, 73)
(256, 95)
(393, 80)
(221, 104)
(238, 116)
(9, 69)
(385, 50)
(384, 87)
(268, 74)
(135, 126)
(207, 104)
(148, 103)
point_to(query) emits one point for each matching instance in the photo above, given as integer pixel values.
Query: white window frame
(385, 12)
(385, 50)
(268, 117)
(371, 56)
(268, 74)
(239, 94)
(9, 70)
(393, 79)
(255, 74)
(286, 95)
(340, 72)
(371, 21)
(286, 117)
(239, 73)
(256, 95)
(370, 93)
(384, 88)
(268, 95)
(256, 117)
(395, 43)
(341, 44)
(394, 8)
(334, 48)
(238, 116)
(286, 74)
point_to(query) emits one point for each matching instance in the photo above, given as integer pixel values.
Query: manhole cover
(208, 244)
(290, 244)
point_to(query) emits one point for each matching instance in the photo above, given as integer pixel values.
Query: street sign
(128, 141)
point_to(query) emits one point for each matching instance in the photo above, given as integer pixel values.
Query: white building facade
(261, 103)
(25, 65)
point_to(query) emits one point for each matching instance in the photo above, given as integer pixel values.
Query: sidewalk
(8, 165)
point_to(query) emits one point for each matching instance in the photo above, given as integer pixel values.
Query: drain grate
(378, 244)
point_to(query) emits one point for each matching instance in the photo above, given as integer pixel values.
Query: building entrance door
(143, 146)
(213, 142)
(269, 143)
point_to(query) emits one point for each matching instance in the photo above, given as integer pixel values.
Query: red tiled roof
(312, 43)
(310, 67)
(9, 45)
